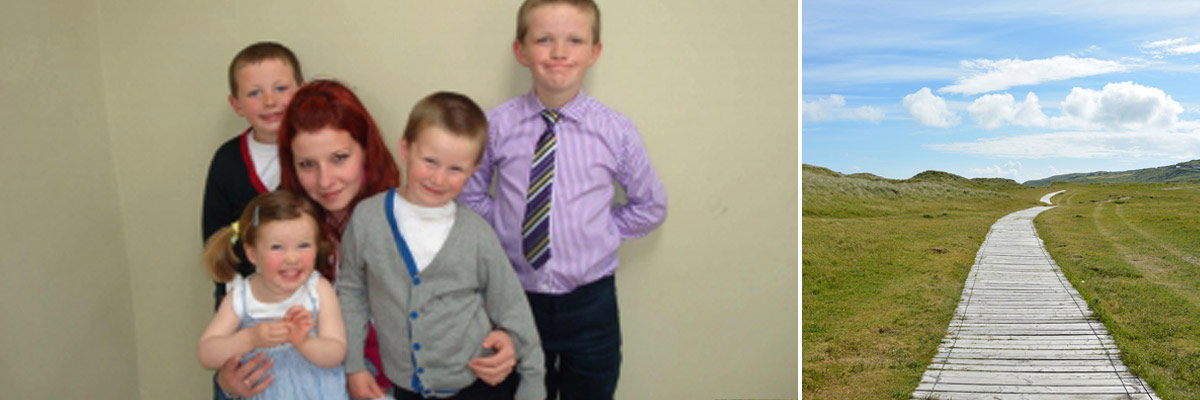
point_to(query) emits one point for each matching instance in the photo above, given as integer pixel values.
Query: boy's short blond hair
(260, 52)
(456, 113)
(584, 5)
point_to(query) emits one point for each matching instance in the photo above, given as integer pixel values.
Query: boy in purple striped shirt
(563, 244)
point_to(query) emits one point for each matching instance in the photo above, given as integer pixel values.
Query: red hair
(326, 103)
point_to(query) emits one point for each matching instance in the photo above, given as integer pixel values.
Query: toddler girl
(277, 310)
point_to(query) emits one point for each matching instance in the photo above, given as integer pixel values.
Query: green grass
(884, 262)
(1133, 252)
(830, 194)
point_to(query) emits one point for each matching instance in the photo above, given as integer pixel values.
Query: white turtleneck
(425, 229)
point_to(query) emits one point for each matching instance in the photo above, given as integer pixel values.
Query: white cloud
(833, 108)
(930, 110)
(994, 110)
(868, 113)
(1175, 47)
(1083, 144)
(1189, 49)
(1165, 43)
(1009, 169)
(1185, 125)
(1090, 49)
(988, 76)
(819, 110)
(1118, 106)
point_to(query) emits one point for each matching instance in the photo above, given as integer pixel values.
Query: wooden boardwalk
(1021, 331)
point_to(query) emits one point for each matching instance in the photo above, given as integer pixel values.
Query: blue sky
(1013, 89)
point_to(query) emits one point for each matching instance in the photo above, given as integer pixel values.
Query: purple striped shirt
(596, 146)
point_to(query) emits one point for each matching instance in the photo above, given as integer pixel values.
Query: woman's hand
(495, 369)
(363, 386)
(240, 380)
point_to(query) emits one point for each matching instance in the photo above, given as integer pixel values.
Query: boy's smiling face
(437, 165)
(264, 89)
(558, 48)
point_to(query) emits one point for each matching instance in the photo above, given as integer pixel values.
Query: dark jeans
(581, 338)
(477, 391)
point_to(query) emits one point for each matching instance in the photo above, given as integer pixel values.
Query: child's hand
(299, 322)
(495, 368)
(269, 334)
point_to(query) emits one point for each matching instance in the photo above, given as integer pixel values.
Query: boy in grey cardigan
(431, 274)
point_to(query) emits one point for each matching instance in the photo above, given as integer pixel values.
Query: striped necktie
(535, 232)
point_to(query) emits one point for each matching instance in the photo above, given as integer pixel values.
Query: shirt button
(416, 346)
(420, 370)
(416, 281)
(413, 315)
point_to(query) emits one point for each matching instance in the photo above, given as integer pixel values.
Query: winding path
(1021, 331)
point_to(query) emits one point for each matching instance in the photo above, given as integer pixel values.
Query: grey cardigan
(431, 324)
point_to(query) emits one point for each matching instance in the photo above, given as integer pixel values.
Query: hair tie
(254, 220)
(233, 239)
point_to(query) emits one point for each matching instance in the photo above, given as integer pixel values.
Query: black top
(232, 182)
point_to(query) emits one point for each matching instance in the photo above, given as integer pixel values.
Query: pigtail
(219, 258)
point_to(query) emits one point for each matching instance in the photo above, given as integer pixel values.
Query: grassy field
(884, 262)
(1133, 252)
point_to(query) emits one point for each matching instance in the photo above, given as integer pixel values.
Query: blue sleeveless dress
(295, 376)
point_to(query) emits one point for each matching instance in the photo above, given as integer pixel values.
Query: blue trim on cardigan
(389, 210)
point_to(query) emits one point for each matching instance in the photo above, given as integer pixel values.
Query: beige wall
(708, 301)
(66, 324)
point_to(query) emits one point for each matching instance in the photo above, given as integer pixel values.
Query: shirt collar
(442, 212)
(573, 110)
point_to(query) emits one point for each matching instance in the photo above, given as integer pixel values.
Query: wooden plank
(1071, 368)
(1027, 344)
(1070, 325)
(1099, 378)
(1023, 362)
(1066, 339)
(1010, 313)
(1001, 343)
(1030, 389)
(1031, 355)
(945, 395)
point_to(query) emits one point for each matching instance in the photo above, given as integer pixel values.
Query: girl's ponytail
(219, 259)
